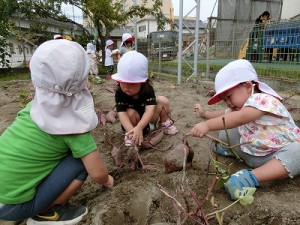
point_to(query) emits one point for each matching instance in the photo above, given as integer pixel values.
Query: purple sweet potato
(173, 161)
(118, 156)
(153, 139)
(101, 117)
(111, 116)
(110, 89)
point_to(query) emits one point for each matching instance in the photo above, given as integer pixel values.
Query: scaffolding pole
(179, 73)
(196, 41)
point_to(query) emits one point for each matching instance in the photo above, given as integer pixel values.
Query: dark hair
(127, 42)
(265, 13)
(145, 86)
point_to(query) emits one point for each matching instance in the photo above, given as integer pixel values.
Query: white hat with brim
(90, 48)
(62, 103)
(233, 74)
(58, 36)
(126, 37)
(108, 43)
(132, 68)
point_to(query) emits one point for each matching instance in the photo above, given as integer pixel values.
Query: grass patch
(282, 71)
(15, 76)
(24, 74)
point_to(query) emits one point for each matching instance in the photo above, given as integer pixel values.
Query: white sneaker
(152, 126)
(168, 127)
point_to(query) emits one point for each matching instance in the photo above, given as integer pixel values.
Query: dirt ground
(136, 198)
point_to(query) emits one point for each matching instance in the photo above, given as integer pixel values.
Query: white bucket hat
(127, 37)
(108, 43)
(90, 48)
(233, 74)
(132, 68)
(62, 103)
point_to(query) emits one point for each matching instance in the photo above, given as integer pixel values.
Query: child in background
(48, 151)
(262, 122)
(109, 63)
(91, 51)
(136, 103)
(116, 55)
(58, 37)
(262, 20)
(126, 44)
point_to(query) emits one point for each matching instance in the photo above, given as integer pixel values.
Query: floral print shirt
(268, 134)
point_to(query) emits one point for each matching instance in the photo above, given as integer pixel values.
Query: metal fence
(273, 49)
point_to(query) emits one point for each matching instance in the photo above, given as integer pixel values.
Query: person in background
(91, 51)
(262, 20)
(109, 63)
(260, 24)
(48, 151)
(58, 37)
(116, 55)
(136, 103)
(256, 51)
(126, 44)
(269, 137)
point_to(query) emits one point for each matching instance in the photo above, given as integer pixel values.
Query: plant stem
(221, 210)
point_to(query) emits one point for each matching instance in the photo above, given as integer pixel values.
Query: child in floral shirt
(256, 117)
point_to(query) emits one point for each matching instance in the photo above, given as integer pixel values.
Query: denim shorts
(289, 155)
(47, 191)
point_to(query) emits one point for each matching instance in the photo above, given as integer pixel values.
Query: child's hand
(200, 129)
(136, 135)
(200, 111)
(110, 182)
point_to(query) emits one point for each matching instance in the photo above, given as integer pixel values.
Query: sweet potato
(210, 93)
(118, 156)
(101, 117)
(110, 89)
(153, 139)
(173, 161)
(111, 116)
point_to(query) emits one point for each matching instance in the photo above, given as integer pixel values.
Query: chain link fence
(273, 49)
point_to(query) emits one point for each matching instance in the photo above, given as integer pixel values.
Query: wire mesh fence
(273, 49)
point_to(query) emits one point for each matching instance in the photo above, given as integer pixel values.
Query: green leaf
(247, 200)
(221, 181)
(219, 218)
(245, 195)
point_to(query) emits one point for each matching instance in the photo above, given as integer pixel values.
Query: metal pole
(207, 47)
(233, 40)
(180, 42)
(124, 28)
(135, 30)
(196, 39)
(73, 13)
(159, 55)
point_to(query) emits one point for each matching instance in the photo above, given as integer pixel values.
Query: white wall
(290, 8)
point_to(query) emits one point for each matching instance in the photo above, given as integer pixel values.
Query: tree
(104, 14)
(6, 9)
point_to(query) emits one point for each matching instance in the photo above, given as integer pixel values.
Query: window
(11, 48)
(142, 28)
(20, 49)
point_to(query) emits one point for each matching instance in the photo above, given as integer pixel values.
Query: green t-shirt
(28, 155)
